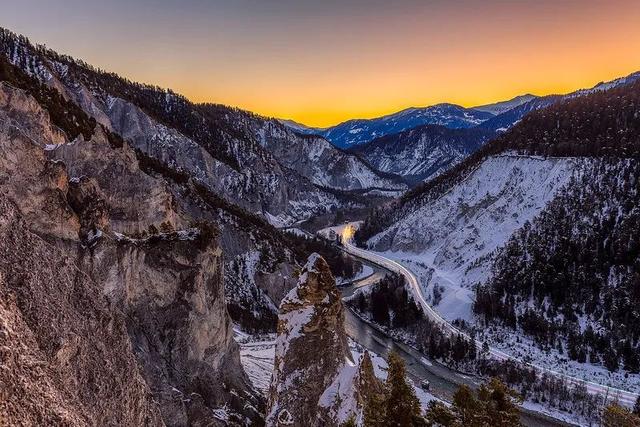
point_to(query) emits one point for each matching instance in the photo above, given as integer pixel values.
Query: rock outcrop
(315, 380)
(159, 348)
(65, 356)
(169, 286)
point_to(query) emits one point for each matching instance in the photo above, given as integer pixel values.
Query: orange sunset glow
(322, 64)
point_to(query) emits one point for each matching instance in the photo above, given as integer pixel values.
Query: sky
(323, 62)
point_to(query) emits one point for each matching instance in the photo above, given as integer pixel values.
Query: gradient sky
(321, 62)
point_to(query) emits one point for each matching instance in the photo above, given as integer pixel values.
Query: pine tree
(372, 392)
(617, 416)
(500, 404)
(468, 409)
(473, 349)
(374, 410)
(351, 422)
(438, 414)
(485, 349)
(402, 405)
(611, 361)
(494, 405)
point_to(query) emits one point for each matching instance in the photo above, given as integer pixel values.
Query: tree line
(395, 404)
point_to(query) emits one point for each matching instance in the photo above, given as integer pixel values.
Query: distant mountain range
(498, 116)
(360, 131)
(504, 106)
(420, 143)
(422, 152)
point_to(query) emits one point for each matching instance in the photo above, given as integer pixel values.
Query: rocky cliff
(113, 309)
(209, 163)
(63, 347)
(315, 380)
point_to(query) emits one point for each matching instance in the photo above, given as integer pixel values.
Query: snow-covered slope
(504, 106)
(360, 131)
(423, 152)
(451, 239)
(324, 164)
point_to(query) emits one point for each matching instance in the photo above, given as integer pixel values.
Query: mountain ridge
(357, 131)
(422, 152)
(501, 229)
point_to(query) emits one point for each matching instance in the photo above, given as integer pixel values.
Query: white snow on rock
(340, 397)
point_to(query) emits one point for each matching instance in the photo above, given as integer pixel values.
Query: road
(444, 381)
(622, 396)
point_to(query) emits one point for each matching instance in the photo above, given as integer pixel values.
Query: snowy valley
(418, 268)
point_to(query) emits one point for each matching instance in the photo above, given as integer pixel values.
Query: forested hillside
(579, 261)
(601, 123)
(567, 273)
(571, 278)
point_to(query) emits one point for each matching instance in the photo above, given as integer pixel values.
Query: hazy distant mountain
(503, 106)
(505, 120)
(360, 131)
(300, 128)
(423, 152)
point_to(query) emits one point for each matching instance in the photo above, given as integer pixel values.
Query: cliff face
(197, 149)
(65, 355)
(315, 380)
(159, 348)
(169, 287)
(63, 349)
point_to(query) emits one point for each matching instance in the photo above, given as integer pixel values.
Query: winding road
(346, 232)
(444, 380)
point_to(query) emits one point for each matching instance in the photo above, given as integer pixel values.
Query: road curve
(623, 397)
(444, 380)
